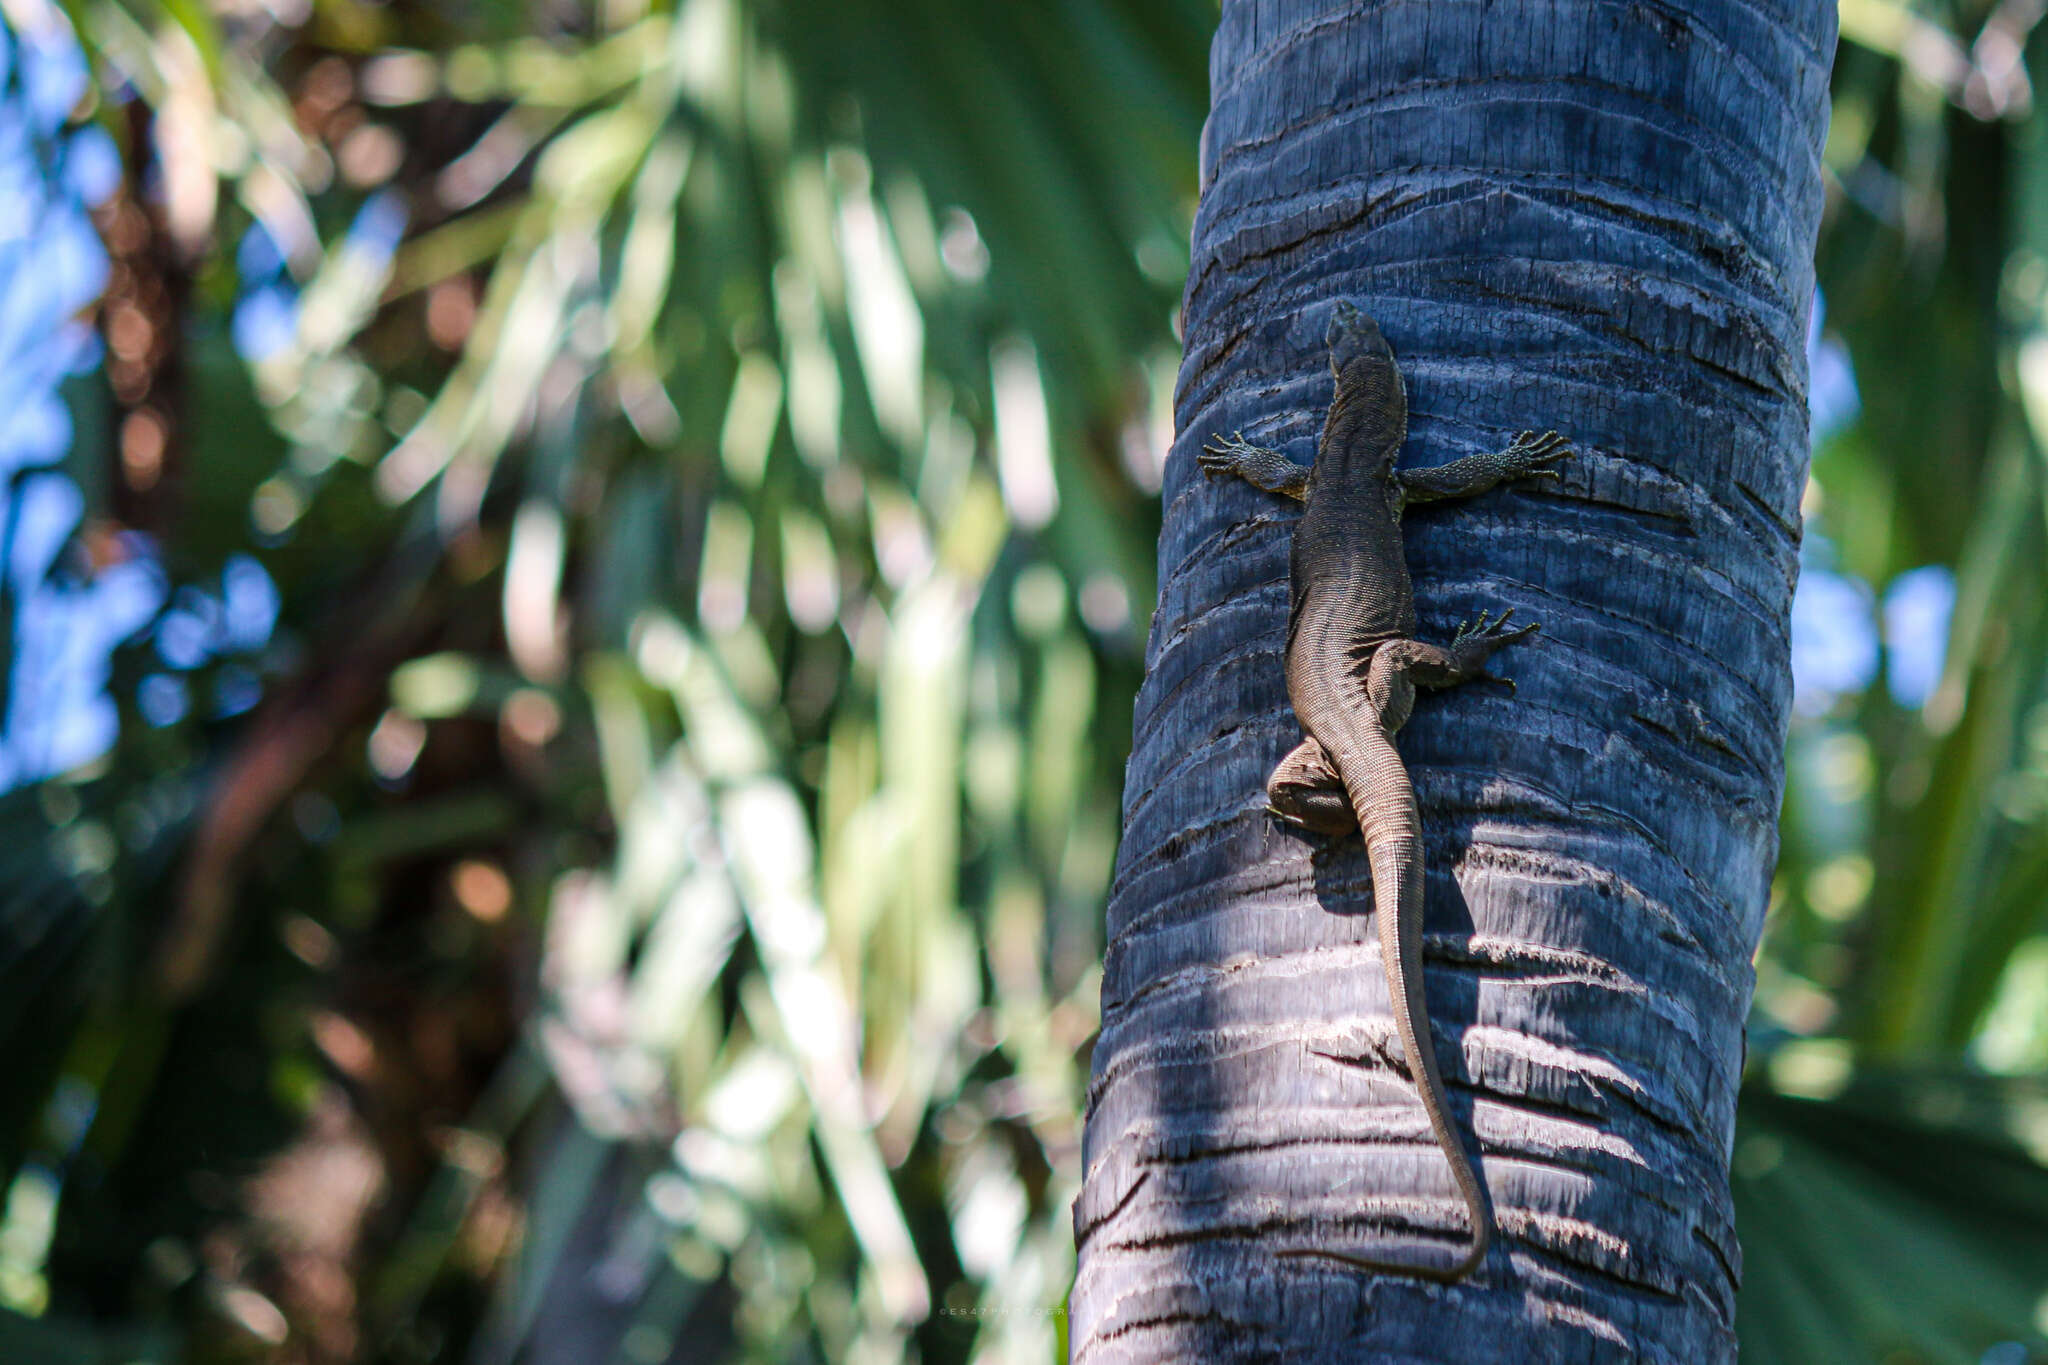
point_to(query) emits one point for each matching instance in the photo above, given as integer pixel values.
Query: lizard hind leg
(1478, 641)
(1305, 790)
(1393, 669)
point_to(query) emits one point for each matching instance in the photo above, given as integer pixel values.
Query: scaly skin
(1353, 667)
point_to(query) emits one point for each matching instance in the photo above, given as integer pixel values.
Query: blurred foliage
(1897, 1220)
(1888, 1178)
(705, 458)
(705, 455)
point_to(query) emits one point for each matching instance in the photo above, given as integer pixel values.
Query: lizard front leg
(1530, 456)
(1258, 466)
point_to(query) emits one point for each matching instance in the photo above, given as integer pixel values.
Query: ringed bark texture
(1587, 215)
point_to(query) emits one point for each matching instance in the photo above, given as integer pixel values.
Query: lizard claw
(1217, 445)
(1530, 455)
(1256, 465)
(1485, 627)
(1221, 454)
(1476, 640)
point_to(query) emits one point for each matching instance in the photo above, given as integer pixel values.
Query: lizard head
(1369, 414)
(1354, 336)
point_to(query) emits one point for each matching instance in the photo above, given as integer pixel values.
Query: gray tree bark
(1592, 216)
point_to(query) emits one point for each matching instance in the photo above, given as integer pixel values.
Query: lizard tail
(1397, 873)
(1385, 801)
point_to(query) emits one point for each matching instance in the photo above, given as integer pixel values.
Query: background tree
(356, 993)
(1606, 229)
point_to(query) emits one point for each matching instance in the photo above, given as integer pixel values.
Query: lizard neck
(1368, 419)
(1348, 474)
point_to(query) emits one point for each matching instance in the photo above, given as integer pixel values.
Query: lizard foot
(1476, 641)
(1532, 456)
(1231, 454)
(1256, 465)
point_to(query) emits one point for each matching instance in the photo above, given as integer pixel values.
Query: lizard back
(1348, 580)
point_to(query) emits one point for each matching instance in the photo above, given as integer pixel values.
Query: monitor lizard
(1353, 665)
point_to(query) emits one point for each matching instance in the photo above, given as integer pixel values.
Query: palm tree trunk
(1597, 217)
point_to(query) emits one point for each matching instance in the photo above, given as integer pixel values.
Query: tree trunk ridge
(1593, 217)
